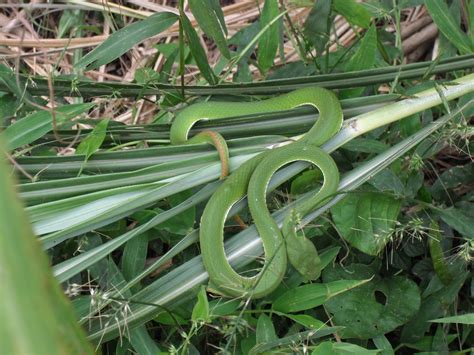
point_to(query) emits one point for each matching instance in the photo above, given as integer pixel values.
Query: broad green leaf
(169, 318)
(8, 107)
(36, 317)
(134, 257)
(290, 340)
(437, 257)
(409, 125)
(306, 320)
(94, 140)
(330, 348)
(444, 188)
(265, 329)
(312, 295)
(302, 253)
(382, 343)
(328, 255)
(36, 125)
(366, 220)
(439, 11)
(425, 344)
(222, 307)
(363, 58)
(375, 308)
(124, 39)
(306, 181)
(461, 219)
(459, 319)
(355, 13)
(183, 223)
(268, 43)
(210, 18)
(240, 41)
(366, 145)
(201, 308)
(318, 25)
(388, 181)
(197, 51)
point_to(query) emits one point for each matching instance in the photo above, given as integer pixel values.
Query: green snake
(252, 179)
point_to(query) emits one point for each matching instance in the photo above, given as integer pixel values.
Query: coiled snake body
(252, 179)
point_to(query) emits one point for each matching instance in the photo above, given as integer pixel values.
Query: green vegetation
(116, 208)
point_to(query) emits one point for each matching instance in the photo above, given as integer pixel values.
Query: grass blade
(268, 43)
(440, 13)
(209, 16)
(124, 39)
(36, 317)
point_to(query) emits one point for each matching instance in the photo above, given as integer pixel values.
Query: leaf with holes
(373, 309)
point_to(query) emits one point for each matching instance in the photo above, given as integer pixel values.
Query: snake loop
(252, 179)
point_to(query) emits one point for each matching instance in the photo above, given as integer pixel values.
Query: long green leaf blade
(35, 125)
(209, 16)
(124, 39)
(268, 43)
(439, 11)
(36, 317)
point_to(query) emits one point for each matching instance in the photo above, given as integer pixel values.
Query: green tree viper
(252, 179)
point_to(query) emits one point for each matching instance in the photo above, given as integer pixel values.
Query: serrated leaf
(312, 295)
(355, 13)
(210, 18)
(268, 43)
(440, 14)
(124, 39)
(366, 220)
(36, 125)
(197, 51)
